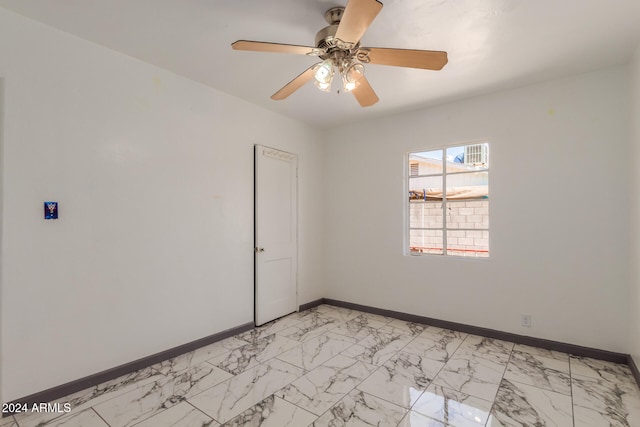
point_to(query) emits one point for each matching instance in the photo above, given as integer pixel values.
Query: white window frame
(408, 176)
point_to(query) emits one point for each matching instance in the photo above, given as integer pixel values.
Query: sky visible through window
(452, 152)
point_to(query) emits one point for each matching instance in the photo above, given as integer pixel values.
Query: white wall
(635, 211)
(154, 176)
(565, 141)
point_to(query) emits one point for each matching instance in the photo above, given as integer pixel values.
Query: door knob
(259, 249)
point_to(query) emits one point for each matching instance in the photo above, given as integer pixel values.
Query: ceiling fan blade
(425, 59)
(294, 84)
(274, 47)
(364, 93)
(357, 16)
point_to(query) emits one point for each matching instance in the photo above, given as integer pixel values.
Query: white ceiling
(492, 44)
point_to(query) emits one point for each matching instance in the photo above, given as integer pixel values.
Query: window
(449, 201)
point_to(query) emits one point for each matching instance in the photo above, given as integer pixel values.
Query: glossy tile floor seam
(493, 403)
(573, 415)
(331, 366)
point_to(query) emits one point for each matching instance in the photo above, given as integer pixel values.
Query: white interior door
(276, 234)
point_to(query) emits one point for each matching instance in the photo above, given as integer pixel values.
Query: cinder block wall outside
(472, 216)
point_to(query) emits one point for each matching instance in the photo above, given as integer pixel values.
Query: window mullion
(444, 202)
(469, 172)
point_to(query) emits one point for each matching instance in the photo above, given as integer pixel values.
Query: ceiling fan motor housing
(325, 39)
(327, 42)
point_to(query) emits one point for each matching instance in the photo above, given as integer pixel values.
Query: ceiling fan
(338, 45)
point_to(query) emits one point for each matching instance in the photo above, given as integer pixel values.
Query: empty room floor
(331, 366)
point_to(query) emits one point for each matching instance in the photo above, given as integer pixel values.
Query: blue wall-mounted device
(50, 210)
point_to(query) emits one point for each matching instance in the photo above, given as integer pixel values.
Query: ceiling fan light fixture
(323, 72)
(351, 76)
(348, 85)
(325, 87)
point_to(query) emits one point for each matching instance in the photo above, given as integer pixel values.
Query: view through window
(449, 201)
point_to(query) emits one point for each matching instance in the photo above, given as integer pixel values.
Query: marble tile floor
(331, 366)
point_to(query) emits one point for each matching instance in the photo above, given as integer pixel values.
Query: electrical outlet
(525, 320)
